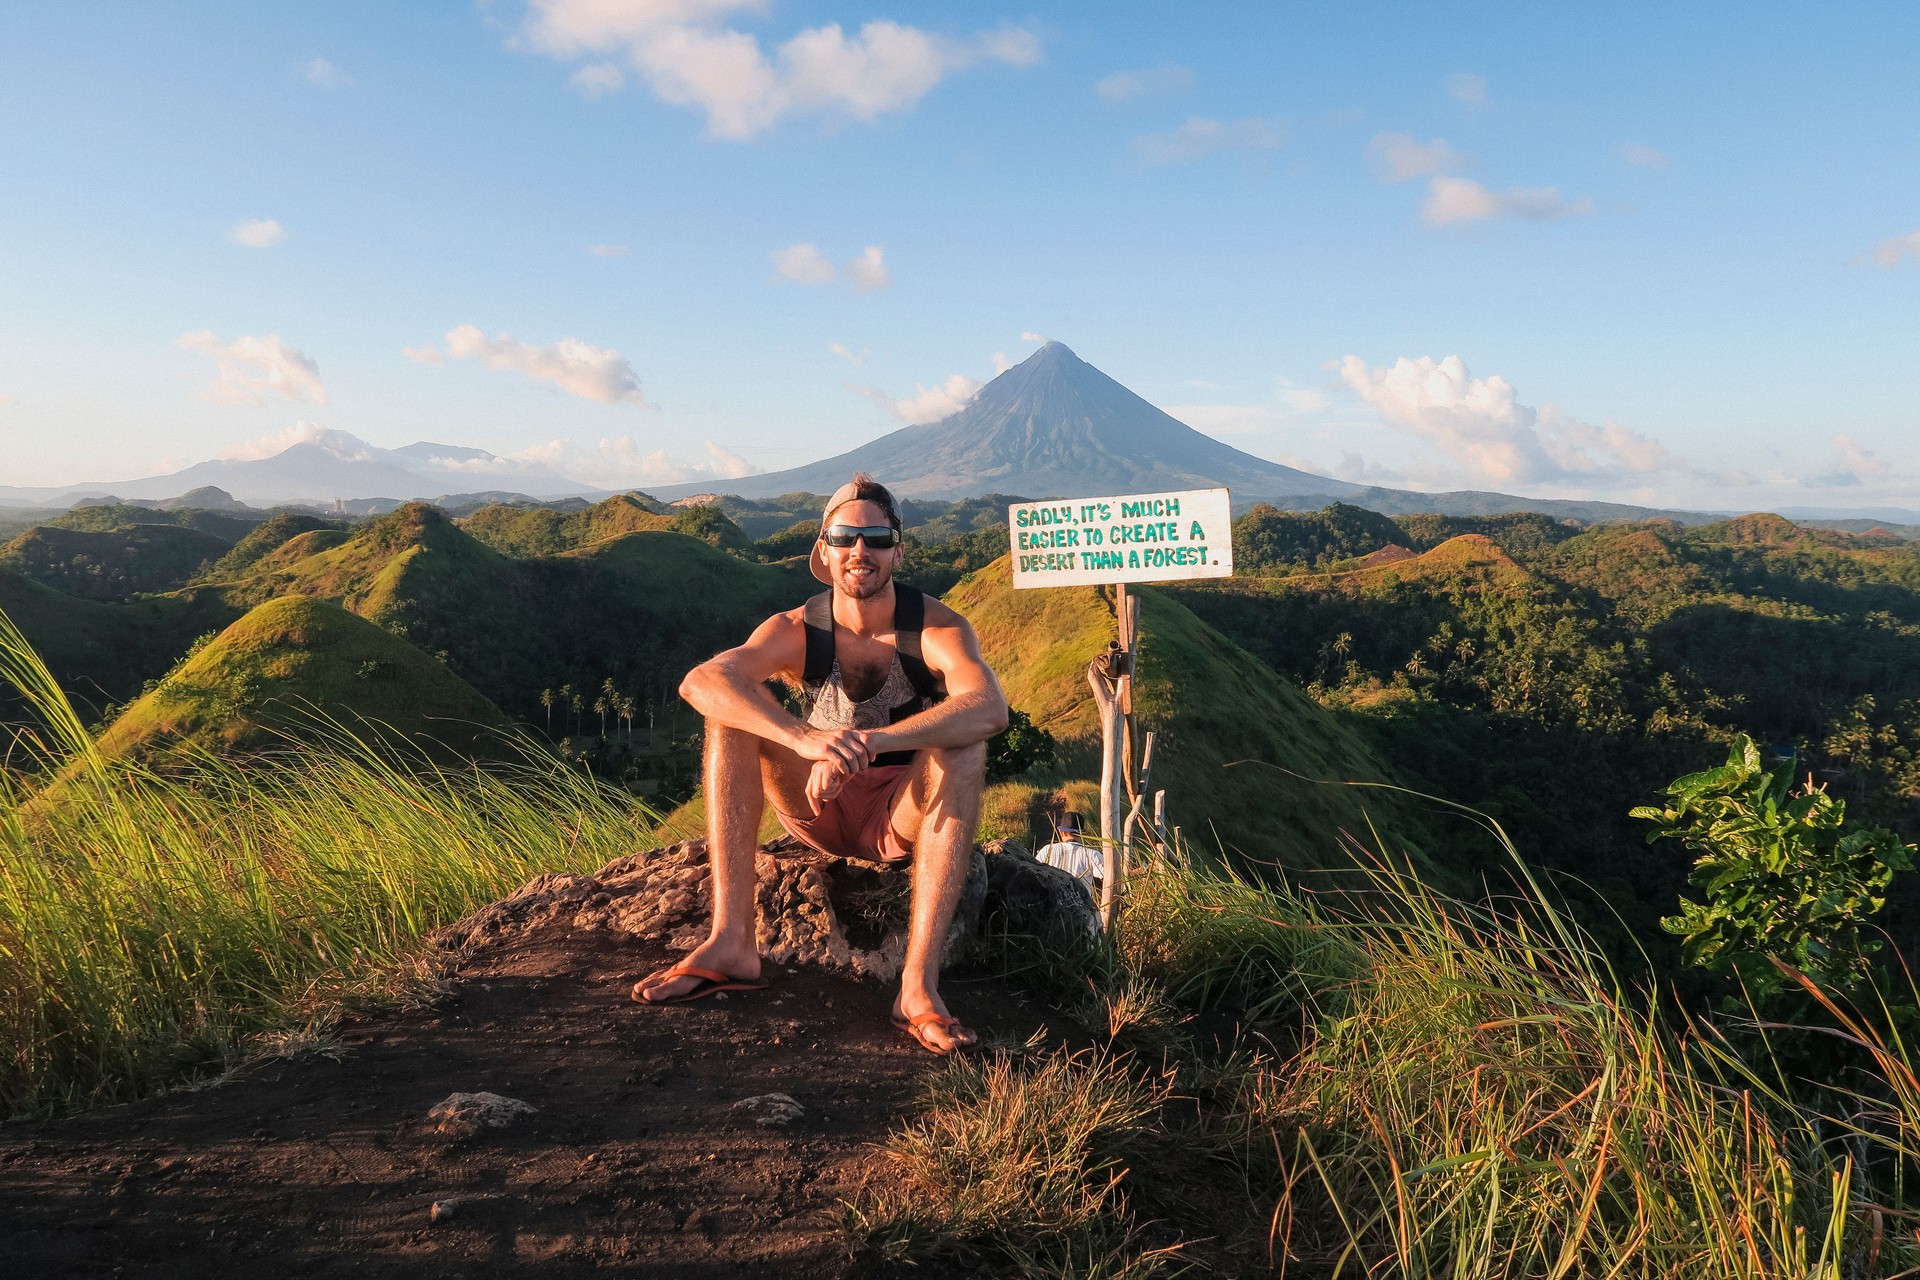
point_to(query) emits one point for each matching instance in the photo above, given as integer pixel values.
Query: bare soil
(637, 1163)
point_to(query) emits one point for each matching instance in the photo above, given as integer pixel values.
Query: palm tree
(600, 706)
(578, 704)
(546, 700)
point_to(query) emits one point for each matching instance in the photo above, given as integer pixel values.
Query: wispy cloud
(339, 443)
(1150, 82)
(1642, 157)
(1481, 425)
(1858, 466)
(805, 264)
(1454, 200)
(609, 250)
(322, 74)
(1465, 86)
(1398, 157)
(598, 79)
(618, 462)
(250, 369)
(852, 357)
(802, 264)
(1201, 135)
(1894, 250)
(261, 233)
(687, 55)
(577, 368)
(868, 272)
(926, 404)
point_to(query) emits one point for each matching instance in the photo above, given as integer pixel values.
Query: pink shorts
(854, 824)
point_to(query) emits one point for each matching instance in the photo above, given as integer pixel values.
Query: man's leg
(741, 769)
(939, 811)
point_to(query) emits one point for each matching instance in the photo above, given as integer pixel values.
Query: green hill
(1211, 704)
(268, 674)
(541, 531)
(108, 564)
(228, 526)
(103, 652)
(266, 538)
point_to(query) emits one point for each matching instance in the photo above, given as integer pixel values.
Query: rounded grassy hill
(277, 669)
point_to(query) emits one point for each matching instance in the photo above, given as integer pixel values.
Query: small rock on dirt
(771, 1110)
(463, 1115)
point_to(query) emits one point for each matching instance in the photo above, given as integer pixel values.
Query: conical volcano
(1052, 426)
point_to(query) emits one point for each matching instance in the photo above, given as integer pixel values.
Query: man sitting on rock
(888, 764)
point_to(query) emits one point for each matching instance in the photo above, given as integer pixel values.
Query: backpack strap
(909, 620)
(818, 617)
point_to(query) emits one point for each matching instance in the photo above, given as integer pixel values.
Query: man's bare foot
(720, 955)
(925, 1018)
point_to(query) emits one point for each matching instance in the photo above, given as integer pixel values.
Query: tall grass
(1473, 1093)
(153, 924)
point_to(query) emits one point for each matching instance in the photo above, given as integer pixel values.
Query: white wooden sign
(1135, 537)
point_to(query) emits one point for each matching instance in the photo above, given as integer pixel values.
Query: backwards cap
(862, 488)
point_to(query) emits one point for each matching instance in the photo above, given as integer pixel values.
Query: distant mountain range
(1051, 426)
(321, 468)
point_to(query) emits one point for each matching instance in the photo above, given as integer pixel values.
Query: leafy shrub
(1782, 875)
(1019, 747)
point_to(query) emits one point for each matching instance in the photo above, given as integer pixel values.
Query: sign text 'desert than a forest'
(1135, 537)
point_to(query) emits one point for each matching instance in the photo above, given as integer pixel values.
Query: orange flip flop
(916, 1027)
(709, 982)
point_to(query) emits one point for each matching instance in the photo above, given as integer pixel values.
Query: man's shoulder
(939, 614)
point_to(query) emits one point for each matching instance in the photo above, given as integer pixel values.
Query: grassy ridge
(1211, 704)
(154, 927)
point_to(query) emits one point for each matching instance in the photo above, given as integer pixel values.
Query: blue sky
(1646, 252)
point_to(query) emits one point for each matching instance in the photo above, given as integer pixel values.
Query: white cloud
(926, 404)
(609, 250)
(1397, 157)
(7, 400)
(1894, 250)
(930, 404)
(802, 264)
(1465, 86)
(1480, 424)
(1451, 200)
(1642, 157)
(423, 355)
(689, 57)
(848, 354)
(1001, 364)
(1200, 135)
(805, 264)
(1033, 337)
(618, 462)
(1152, 82)
(322, 74)
(261, 233)
(868, 272)
(1858, 466)
(250, 368)
(339, 443)
(589, 372)
(598, 79)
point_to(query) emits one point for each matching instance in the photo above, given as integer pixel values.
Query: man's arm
(731, 688)
(975, 709)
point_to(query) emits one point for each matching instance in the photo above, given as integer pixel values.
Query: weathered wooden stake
(1111, 676)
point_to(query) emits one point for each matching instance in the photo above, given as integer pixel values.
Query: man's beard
(863, 589)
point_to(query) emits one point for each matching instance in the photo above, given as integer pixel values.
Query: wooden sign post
(1148, 537)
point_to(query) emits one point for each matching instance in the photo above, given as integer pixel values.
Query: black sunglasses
(878, 537)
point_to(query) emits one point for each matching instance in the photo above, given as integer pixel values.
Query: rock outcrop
(841, 914)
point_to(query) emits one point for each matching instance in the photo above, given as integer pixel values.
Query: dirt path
(637, 1162)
